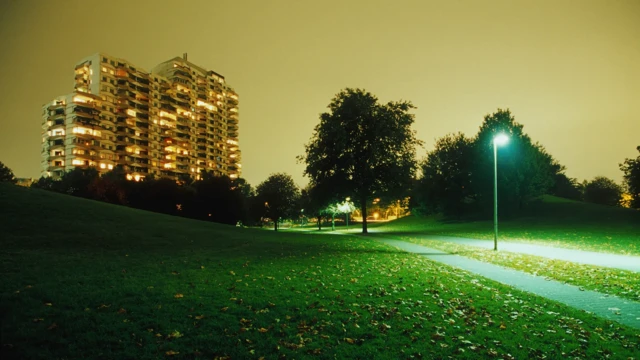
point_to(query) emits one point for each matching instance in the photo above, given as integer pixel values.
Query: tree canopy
(525, 170)
(279, 194)
(6, 175)
(631, 170)
(446, 176)
(458, 173)
(602, 190)
(361, 148)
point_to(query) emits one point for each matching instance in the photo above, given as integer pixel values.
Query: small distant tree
(566, 187)
(631, 169)
(333, 209)
(279, 194)
(604, 191)
(6, 175)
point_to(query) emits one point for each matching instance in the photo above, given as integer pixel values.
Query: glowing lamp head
(500, 139)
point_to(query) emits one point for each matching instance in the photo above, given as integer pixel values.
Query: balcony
(181, 73)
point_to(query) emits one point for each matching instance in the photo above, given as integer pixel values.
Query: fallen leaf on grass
(38, 320)
(171, 353)
(122, 311)
(48, 304)
(52, 326)
(199, 317)
(263, 330)
(178, 296)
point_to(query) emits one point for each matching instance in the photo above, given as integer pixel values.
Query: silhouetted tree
(160, 195)
(362, 148)
(47, 183)
(566, 187)
(110, 187)
(279, 194)
(445, 185)
(76, 182)
(631, 169)
(6, 175)
(602, 190)
(218, 199)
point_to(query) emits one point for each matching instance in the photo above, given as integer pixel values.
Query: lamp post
(348, 213)
(499, 139)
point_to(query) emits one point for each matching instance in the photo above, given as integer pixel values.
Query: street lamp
(498, 140)
(349, 213)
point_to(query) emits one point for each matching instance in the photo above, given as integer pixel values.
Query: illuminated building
(171, 122)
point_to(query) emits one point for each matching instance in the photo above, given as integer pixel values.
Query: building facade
(175, 121)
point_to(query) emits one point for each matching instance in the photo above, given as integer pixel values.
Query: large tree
(525, 170)
(602, 190)
(362, 148)
(631, 169)
(6, 175)
(279, 194)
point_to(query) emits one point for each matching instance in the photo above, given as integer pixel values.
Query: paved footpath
(624, 262)
(626, 312)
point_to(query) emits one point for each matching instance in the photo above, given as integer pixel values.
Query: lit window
(77, 162)
(103, 166)
(131, 112)
(109, 166)
(206, 105)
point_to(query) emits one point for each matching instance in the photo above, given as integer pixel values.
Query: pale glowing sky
(568, 70)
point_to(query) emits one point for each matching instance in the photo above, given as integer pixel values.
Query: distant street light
(349, 213)
(498, 140)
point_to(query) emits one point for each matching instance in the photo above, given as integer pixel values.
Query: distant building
(174, 121)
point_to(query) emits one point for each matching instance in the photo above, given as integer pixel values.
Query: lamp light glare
(501, 139)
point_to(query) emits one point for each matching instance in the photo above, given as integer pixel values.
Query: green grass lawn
(87, 280)
(553, 221)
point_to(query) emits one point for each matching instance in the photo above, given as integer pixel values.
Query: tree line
(363, 150)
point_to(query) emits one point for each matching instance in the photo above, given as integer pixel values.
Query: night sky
(568, 70)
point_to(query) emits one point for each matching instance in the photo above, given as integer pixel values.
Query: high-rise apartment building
(171, 122)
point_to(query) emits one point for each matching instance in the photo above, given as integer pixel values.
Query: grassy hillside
(88, 280)
(553, 221)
